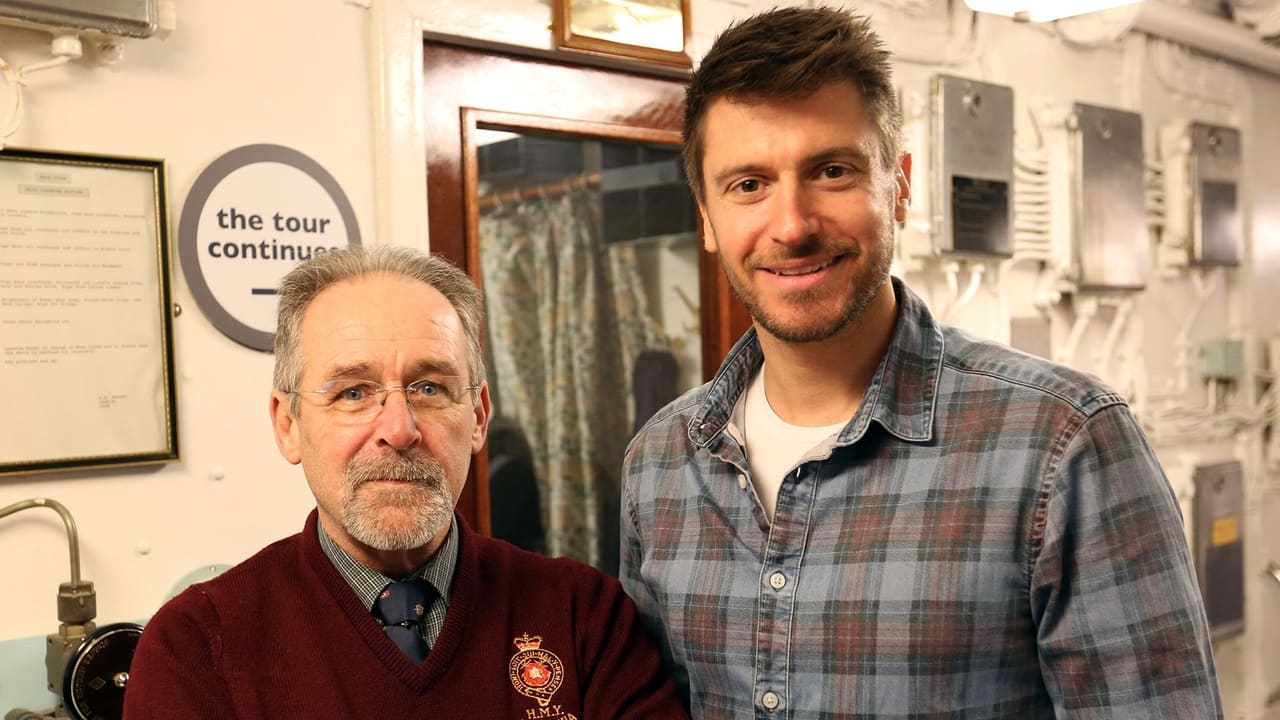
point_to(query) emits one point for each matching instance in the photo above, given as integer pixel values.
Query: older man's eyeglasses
(361, 400)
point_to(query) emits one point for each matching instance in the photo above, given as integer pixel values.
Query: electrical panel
(1109, 217)
(972, 129)
(1219, 545)
(1222, 359)
(1203, 175)
(1217, 223)
(131, 18)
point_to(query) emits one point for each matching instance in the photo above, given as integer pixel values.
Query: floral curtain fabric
(565, 319)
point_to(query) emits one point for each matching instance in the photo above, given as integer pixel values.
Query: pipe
(73, 541)
(975, 282)
(1108, 350)
(1209, 34)
(1182, 343)
(951, 271)
(1086, 308)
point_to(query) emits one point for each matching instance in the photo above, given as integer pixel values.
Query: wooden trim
(577, 128)
(566, 39)
(482, 514)
(564, 56)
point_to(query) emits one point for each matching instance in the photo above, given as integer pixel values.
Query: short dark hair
(303, 283)
(790, 53)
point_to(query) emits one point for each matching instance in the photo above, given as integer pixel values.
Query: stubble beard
(867, 283)
(400, 517)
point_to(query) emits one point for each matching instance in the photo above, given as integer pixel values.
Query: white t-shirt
(774, 446)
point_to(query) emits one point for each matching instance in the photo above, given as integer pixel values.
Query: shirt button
(742, 481)
(770, 700)
(777, 581)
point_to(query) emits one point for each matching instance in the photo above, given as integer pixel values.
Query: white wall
(235, 72)
(339, 81)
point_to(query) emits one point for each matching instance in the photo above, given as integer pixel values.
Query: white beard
(399, 517)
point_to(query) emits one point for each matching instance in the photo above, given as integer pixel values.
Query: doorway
(558, 188)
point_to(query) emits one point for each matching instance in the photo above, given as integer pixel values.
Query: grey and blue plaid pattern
(991, 536)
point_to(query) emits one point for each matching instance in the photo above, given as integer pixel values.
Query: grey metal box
(1217, 224)
(1112, 245)
(132, 18)
(972, 130)
(1218, 542)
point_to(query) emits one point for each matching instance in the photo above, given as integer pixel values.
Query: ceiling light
(1044, 10)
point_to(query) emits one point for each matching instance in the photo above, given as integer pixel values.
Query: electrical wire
(1175, 422)
(1205, 284)
(64, 48)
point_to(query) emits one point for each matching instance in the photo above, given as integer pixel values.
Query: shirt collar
(902, 396)
(368, 583)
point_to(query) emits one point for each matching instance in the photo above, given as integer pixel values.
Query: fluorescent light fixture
(1044, 10)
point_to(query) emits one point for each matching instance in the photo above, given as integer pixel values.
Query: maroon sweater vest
(282, 636)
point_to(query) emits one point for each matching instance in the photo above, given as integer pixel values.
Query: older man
(386, 605)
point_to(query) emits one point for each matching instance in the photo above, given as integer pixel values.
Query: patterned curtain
(565, 321)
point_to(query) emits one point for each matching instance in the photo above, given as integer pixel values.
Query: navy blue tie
(402, 607)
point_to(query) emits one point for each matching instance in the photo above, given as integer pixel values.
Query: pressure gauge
(94, 682)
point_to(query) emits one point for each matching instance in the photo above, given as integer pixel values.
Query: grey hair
(308, 279)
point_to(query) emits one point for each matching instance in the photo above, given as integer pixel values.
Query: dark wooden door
(466, 88)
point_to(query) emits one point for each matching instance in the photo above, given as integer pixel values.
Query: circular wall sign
(252, 215)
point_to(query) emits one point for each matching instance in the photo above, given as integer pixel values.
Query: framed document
(86, 349)
(656, 31)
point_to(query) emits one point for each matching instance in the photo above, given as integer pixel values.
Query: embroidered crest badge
(535, 672)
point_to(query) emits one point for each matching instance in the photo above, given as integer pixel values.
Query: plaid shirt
(990, 536)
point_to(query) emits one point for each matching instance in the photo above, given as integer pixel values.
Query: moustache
(801, 251)
(417, 468)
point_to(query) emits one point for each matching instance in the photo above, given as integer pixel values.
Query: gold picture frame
(85, 313)
(655, 31)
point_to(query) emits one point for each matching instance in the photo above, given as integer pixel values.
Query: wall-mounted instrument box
(1217, 224)
(1202, 179)
(130, 18)
(1218, 542)
(1110, 238)
(972, 158)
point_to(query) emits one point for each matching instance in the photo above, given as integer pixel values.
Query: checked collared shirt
(367, 583)
(990, 536)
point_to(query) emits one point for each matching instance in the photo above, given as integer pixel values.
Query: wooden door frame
(471, 122)
(453, 212)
